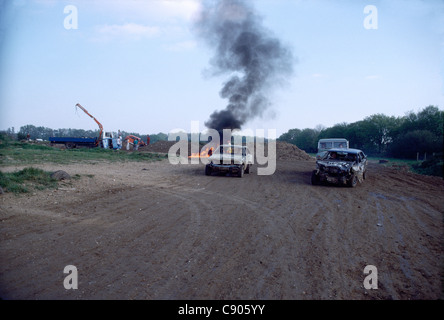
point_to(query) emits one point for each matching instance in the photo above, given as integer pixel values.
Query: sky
(139, 66)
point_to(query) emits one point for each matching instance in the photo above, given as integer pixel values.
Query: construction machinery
(130, 141)
(105, 140)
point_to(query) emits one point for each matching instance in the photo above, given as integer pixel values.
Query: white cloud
(127, 31)
(158, 10)
(181, 46)
(180, 8)
(145, 19)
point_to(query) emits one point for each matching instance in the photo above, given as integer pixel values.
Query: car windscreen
(339, 144)
(325, 145)
(344, 156)
(229, 150)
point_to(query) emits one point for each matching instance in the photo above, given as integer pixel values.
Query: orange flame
(203, 154)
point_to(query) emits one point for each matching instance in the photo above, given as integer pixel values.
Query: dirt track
(157, 231)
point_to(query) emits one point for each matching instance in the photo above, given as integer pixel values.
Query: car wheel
(314, 178)
(364, 175)
(353, 181)
(208, 170)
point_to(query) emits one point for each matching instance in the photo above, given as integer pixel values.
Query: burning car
(341, 166)
(233, 159)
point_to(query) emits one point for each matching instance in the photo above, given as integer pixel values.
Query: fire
(203, 154)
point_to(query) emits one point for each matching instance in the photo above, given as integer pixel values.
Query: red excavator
(130, 139)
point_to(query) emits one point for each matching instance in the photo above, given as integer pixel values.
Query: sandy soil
(158, 231)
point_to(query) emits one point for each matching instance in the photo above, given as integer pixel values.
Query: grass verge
(431, 167)
(28, 154)
(24, 153)
(25, 180)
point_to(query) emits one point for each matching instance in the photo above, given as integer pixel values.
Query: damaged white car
(231, 159)
(342, 167)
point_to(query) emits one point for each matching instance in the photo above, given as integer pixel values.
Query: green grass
(28, 154)
(394, 162)
(25, 180)
(22, 153)
(431, 167)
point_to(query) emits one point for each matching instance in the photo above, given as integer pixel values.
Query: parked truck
(106, 140)
(326, 144)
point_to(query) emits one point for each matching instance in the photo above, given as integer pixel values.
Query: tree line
(378, 134)
(381, 135)
(44, 133)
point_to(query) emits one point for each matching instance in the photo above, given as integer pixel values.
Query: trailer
(71, 143)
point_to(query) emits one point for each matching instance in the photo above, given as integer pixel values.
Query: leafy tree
(409, 144)
(337, 131)
(380, 134)
(290, 136)
(430, 118)
(308, 140)
(376, 132)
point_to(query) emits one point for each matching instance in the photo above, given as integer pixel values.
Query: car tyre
(208, 170)
(353, 181)
(314, 178)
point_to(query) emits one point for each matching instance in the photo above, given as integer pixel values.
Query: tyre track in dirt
(401, 250)
(235, 265)
(156, 231)
(161, 244)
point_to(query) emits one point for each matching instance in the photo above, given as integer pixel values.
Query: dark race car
(341, 167)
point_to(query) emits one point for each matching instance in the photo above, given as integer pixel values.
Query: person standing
(119, 142)
(136, 144)
(128, 142)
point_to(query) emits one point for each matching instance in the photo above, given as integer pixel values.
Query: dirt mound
(164, 147)
(288, 151)
(158, 146)
(284, 150)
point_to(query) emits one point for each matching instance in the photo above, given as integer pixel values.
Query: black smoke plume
(255, 60)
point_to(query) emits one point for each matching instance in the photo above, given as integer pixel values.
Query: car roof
(349, 150)
(333, 140)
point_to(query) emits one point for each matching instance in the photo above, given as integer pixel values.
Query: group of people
(133, 141)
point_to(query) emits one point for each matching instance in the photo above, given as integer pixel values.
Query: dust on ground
(138, 230)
